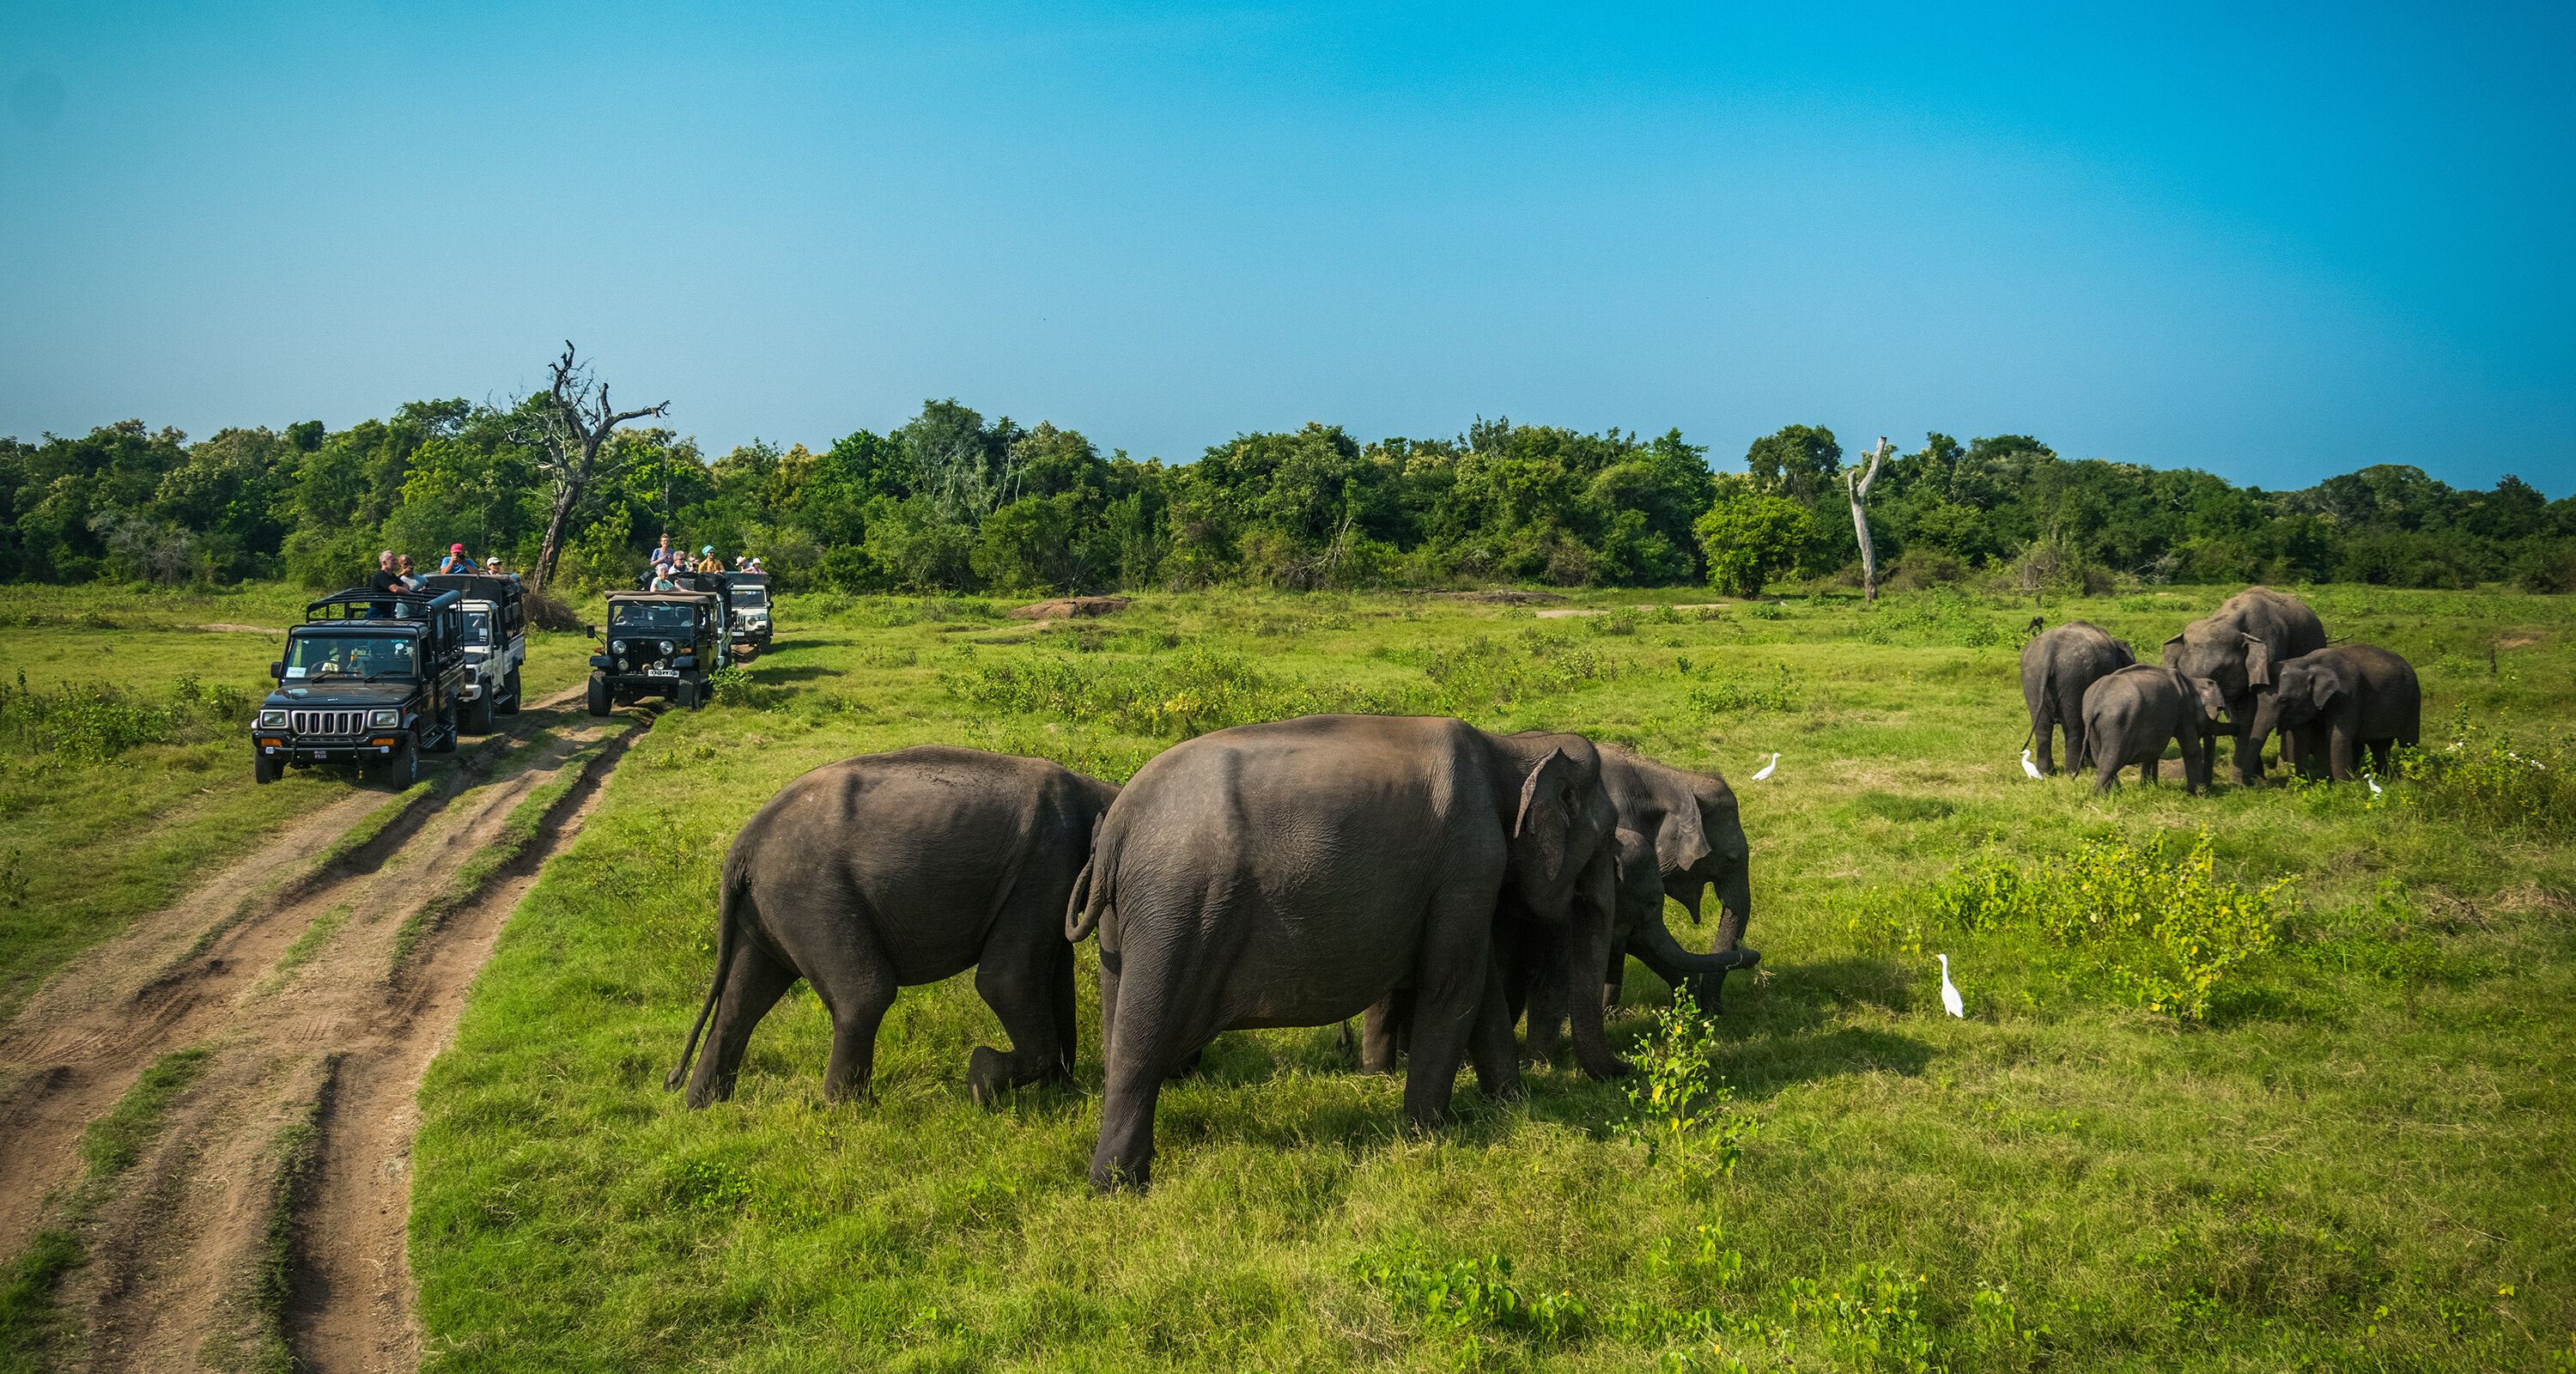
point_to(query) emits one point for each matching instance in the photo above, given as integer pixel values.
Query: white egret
(2374, 783)
(2027, 766)
(1950, 1001)
(1766, 768)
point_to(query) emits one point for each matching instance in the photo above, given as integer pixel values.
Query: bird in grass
(2374, 783)
(1950, 1001)
(1766, 768)
(2027, 766)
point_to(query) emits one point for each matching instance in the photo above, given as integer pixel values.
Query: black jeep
(370, 678)
(659, 644)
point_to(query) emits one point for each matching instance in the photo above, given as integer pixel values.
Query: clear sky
(2275, 242)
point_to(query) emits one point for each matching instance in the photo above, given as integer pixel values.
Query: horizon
(2274, 248)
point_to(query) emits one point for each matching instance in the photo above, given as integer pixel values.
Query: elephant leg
(1133, 1084)
(1382, 1030)
(2106, 774)
(1020, 990)
(1450, 977)
(752, 987)
(2248, 760)
(2151, 771)
(2380, 749)
(2043, 729)
(2343, 752)
(2070, 718)
(1547, 1014)
(1498, 1069)
(858, 997)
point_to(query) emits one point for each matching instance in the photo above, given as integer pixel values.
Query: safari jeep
(370, 678)
(751, 627)
(496, 643)
(659, 644)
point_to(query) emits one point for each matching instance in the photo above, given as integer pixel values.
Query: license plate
(321, 753)
(661, 672)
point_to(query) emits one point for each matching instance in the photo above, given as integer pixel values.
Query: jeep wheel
(478, 714)
(685, 696)
(264, 770)
(447, 732)
(400, 769)
(510, 694)
(598, 695)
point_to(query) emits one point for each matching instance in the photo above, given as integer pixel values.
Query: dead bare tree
(1857, 484)
(571, 424)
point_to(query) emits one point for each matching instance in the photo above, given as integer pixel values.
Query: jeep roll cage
(359, 603)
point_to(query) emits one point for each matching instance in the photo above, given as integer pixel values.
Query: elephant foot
(986, 1076)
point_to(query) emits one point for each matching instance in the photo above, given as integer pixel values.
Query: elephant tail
(735, 890)
(1090, 900)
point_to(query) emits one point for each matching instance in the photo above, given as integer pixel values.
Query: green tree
(1750, 537)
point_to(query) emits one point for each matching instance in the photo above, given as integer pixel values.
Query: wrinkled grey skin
(2129, 716)
(1292, 873)
(2330, 703)
(890, 870)
(1679, 835)
(2056, 667)
(2237, 647)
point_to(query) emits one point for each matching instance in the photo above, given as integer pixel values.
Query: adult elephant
(2056, 667)
(891, 870)
(2330, 703)
(1679, 835)
(2130, 715)
(1292, 873)
(2237, 647)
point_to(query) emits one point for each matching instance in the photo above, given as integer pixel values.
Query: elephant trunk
(1735, 898)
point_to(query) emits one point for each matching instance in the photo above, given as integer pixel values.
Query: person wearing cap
(456, 561)
(708, 562)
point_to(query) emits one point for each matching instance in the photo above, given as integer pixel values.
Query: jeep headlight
(617, 646)
(272, 720)
(666, 646)
(384, 717)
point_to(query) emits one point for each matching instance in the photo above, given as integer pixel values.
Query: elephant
(2237, 646)
(1292, 873)
(2056, 667)
(2130, 714)
(2329, 703)
(1679, 834)
(892, 870)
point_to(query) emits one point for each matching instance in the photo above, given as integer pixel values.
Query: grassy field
(2349, 1153)
(124, 762)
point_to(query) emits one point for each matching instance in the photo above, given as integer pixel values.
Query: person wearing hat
(456, 561)
(708, 562)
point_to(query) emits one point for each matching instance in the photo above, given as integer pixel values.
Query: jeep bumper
(283, 749)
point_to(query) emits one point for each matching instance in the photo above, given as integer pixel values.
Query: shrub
(1750, 539)
(1462, 1304)
(2164, 928)
(1675, 1108)
(2491, 783)
(1742, 693)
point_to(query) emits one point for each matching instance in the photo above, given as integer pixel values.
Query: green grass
(2336, 1168)
(87, 846)
(518, 831)
(112, 1143)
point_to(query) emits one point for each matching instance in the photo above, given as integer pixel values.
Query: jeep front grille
(326, 722)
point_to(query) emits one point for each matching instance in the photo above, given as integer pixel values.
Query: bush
(1751, 539)
(1676, 1110)
(1741, 693)
(2163, 927)
(2491, 783)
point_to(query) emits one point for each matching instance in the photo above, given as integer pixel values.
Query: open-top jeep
(496, 643)
(751, 627)
(659, 644)
(370, 678)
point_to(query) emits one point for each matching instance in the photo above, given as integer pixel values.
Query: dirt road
(270, 1209)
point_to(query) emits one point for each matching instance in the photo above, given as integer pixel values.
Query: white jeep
(496, 645)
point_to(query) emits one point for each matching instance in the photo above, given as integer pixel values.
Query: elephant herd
(2261, 661)
(1440, 879)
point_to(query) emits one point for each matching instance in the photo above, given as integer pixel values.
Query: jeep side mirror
(590, 630)
(277, 670)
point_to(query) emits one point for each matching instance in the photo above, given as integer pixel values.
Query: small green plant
(1871, 1319)
(1618, 622)
(1741, 693)
(13, 881)
(2487, 780)
(1676, 1110)
(1462, 1305)
(2165, 928)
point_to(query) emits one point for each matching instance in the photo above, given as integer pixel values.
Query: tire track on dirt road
(306, 1099)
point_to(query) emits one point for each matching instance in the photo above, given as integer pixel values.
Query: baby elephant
(889, 870)
(2329, 703)
(2130, 714)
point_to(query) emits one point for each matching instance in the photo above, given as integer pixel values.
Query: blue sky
(2278, 243)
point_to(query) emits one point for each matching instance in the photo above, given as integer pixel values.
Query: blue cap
(708, 549)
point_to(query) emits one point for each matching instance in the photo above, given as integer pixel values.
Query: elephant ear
(1543, 831)
(2322, 690)
(1681, 841)
(2258, 662)
(2173, 646)
(2213, 703)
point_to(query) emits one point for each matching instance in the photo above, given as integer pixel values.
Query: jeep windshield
(478, 627)
(653, 615)
(751, 596)
(364, 657)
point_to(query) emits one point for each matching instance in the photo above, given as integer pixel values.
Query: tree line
(953, 501)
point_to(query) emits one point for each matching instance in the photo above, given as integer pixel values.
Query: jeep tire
(447, 731)
(510, 694)
(401, 768)
(598, 695)
(265, 771)
(478, 714)
(685, 696)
